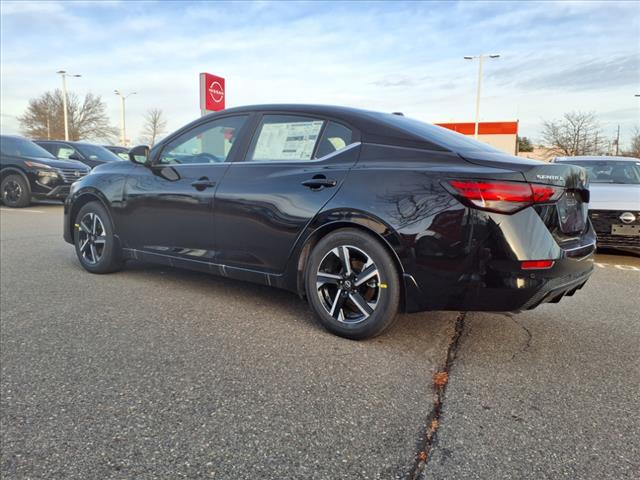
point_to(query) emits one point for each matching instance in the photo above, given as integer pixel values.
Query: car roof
(597, 158)
(63, 141)
(363, 120)
(374, 127)
(14, 136)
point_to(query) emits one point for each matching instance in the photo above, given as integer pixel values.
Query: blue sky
(555, 57)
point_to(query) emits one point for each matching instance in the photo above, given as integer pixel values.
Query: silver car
(614, 205)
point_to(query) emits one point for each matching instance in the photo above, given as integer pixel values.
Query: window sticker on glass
(287, 141)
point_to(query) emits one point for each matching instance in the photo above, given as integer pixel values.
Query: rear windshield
(610, 171)
(443, 137)
(21, 147)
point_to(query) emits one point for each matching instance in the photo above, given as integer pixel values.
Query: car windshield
(21, 147)
(96, 152)
(122, 152)
(611, 171)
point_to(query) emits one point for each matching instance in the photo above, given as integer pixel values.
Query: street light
(480, 62)
(64, 75)
(123, 131)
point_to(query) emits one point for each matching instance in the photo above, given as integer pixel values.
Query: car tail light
(536, 264)
(503, 197)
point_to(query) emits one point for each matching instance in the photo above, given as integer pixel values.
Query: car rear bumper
(519, 290)
(490, 276)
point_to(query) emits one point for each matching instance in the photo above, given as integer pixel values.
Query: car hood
(57, 163)
(607, 196)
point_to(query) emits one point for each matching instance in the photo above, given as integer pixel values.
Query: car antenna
(398, 113)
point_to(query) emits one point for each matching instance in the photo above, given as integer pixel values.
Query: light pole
(64, 75)
(480, 62)
(123, 130)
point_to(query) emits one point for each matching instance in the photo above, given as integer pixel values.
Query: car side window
(209, 143)
(335, 137)
(285, 138)
(50, 147)
(64, 152)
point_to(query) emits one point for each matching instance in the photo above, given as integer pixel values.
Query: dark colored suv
(87, 153)
(28, 171)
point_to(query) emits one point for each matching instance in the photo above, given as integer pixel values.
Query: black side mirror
(74, 156)
(139, 154)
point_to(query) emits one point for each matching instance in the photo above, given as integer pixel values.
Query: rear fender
(328, 221)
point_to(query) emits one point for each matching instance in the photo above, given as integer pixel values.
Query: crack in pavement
(529, 338)
(440, 381)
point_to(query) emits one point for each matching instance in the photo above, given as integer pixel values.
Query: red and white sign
(212, 94)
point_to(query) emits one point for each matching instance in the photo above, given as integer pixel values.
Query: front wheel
(15, 191)
(96, 245)
(352, 284)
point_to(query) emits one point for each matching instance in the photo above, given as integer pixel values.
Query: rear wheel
(15, 191)
(352, 284)
(96, 246)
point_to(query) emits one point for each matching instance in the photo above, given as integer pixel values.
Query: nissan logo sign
(216, 91)
(628, 217)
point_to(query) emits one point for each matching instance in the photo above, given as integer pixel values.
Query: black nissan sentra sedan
(363, 213)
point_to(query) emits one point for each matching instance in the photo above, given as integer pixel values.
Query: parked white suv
(614, 204)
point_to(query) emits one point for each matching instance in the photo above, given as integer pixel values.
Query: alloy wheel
(12, 191)
(92, 238)
(348, 284)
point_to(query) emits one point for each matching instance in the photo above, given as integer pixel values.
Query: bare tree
(577, 133)
(154, 125)
(634, 151)
(88, 120)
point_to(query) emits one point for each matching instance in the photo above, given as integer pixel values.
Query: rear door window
(282, 138)
(335, 137)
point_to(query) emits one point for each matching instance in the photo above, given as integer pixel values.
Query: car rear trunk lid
(571, 207)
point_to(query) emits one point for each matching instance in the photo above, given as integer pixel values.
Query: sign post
(212, 93)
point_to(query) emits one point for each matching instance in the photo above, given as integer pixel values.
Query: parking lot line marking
(631, 268)
(20, 210)
(627, 267)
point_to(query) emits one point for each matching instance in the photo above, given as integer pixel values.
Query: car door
(167, 206)
(293, 166)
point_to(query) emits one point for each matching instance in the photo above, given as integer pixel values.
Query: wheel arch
(80, 200)
(367, 224)
(15, 170)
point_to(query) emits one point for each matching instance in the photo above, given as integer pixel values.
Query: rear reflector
(536, 264)
(504, 197)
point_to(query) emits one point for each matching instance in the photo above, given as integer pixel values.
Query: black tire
(101, 253)
(381, 292)
(15, 191)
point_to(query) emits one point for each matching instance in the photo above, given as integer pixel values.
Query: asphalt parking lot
(161, 373)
